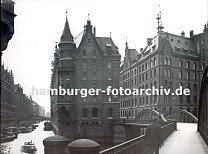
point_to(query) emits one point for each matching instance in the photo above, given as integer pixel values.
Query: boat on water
(14, 130)
(47, 126)
(26, 129)
(28, 147)
(7, 137)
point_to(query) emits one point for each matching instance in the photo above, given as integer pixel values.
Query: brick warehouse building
(85, 62)
(170, 61)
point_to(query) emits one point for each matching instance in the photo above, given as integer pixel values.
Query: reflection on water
(37, 136)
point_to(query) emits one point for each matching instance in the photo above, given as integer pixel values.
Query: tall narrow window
(94, 112)
(110, 112)
(84, 53)
(187, 64)
(188, 75)
(84, 112)
(109, 65)
(155, 61)
(180, 63)
(180, 74)
(194, 65)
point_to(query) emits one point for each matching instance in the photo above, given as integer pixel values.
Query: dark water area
(37, 136)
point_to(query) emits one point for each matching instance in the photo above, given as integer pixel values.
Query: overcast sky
(39, 24)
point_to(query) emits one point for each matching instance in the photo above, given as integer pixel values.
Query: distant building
(86, 62)
(7, 97)
(48, 114)
(168, 61)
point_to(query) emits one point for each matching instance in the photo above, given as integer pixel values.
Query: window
(150, 63)
(146, 67)
(187, 64)
(166, 61)
(109, 99)
(84, 112)
(109, 65)
(188, 75)
(89, 41)
(194, 65)
(180, 74)
(94, 75)
(155, 61)
(110, 112)
(154, 72)
(180, 63)
(83, 65)
(94, 112)
(84, 53)
(203, 66)
(169, 61)
(194, 76)
(169, 72)
(94, 53)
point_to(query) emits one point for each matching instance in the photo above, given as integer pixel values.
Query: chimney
(94, 31)
(183, 34)
(191, 34)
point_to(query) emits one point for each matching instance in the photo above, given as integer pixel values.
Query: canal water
(37, 136)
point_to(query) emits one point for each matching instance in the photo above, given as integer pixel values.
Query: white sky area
(39, 24)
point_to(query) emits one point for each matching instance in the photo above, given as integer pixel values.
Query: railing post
(84, 146)
(55, 145)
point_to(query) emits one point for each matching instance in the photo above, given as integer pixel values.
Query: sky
(39, 24)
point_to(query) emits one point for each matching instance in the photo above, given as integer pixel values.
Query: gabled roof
(105, 43)
(183, 44)
(132, 54)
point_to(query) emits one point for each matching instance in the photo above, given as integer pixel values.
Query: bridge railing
(137, 145)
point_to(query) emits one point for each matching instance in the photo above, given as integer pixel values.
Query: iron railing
(137, 145)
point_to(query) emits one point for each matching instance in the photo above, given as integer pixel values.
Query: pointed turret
(127, 48)
(66, 35)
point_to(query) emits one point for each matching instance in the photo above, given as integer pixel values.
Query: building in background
(7, 97)
(168, 61)
(16, 107)
(85, 62)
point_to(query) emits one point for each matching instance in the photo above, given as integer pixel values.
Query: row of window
(84, 65)
(140, 79)
(85, 112)
(140, 69)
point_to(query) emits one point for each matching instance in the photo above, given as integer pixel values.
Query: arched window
(180, 63)
(94, 112)
(169, 61)
(194, 65)
(166, 61)
(84, 112)
(109, 65)
(150, 63)
(155, 61)
(110, 112)
(187, 64)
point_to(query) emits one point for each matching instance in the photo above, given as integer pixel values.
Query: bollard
(84, 146)
(55, 144)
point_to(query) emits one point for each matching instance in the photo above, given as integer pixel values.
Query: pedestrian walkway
(186, 140)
